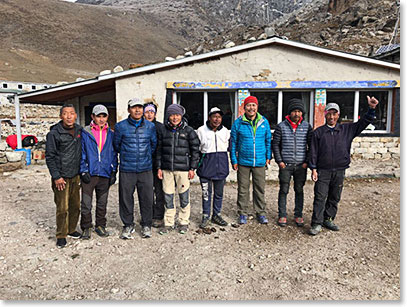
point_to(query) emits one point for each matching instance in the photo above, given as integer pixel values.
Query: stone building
(274, 70)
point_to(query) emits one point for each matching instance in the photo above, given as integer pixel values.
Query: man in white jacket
(213, 166)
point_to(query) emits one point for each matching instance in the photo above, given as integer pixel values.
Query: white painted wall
(275, 63)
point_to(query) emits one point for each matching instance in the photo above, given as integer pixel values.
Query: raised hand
(373, 102)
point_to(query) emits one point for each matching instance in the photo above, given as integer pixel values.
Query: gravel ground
(251, 262)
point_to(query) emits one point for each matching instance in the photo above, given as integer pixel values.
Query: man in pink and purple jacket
(98, 170)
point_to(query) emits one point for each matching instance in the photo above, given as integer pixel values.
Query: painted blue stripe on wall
(344, 84)
(284, 84)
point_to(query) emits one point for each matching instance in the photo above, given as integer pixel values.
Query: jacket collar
(61, 128)
(133, 121)
(210, 127)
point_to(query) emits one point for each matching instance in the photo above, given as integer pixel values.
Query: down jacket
(249, 148)
(289, 146)
(178, 148)
(63, 151)
(98, 164)
(214, 164)
(135, 144)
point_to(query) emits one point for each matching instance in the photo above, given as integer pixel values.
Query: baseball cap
(99, 109)
(332, 106)
(215, 110)
(134, 102)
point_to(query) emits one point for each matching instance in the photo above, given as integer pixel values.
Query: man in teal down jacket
(250, 154)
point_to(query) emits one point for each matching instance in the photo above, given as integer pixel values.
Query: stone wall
(35, 119)
(376, 148)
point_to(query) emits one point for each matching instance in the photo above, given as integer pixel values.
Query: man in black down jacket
(330, 157)
(291, 142)
(177, 158)
(63, 157)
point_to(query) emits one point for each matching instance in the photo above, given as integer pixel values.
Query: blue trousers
(207, 185)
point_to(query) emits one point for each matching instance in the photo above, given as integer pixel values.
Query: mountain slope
(50, 40)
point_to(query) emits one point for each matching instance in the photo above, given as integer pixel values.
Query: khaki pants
(68, 205)
(259, 182)
(170, 179)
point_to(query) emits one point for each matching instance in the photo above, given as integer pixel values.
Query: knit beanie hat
(150, 107)
(250, 99)
(295, 104)
(175, 109)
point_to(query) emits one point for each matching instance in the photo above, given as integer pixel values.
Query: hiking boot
(262, 219)
(61, 243)
(242, 219)
(74, 235)
(183, 229)
(282, 221)
(315, 230)
(101, 231)
(157, 223)
(146, 232)
(165, 230)
(329, 223)
(205, 221)
(126, 232)
(299, 221)
(217, 219)
(86, 234)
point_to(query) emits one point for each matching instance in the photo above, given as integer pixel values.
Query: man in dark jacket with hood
(177, 159)
(98, 170)
(135, 140)
(63, 157)
(291, 142)
(329, 158)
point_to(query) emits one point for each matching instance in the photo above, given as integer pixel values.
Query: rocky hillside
(51, 40)
(356, 26)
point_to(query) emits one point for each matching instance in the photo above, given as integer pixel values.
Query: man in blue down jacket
(291, 142)
(135, 140)
(250, 154)
(98, 170)
(330, 157)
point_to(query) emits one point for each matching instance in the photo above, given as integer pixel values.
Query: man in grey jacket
(291, 143)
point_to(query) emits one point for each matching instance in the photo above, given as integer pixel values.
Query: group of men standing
(159, 160)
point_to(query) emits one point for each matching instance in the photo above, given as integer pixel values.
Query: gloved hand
(85, 177)
(112, 178)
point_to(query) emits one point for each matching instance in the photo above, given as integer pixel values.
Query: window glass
(193, 104)
(268, 105)
(224, 101)
(380, 122)
(346, 101)
(304, 96)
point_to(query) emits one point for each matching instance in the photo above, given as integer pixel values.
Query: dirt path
(252, 262)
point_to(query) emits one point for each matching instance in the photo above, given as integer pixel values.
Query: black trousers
(327, 194)
(299, 175)
(127, 185)
(101, 186)
(159, 201)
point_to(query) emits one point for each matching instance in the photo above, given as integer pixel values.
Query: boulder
(79, 79)
(3, 146)
(229, 44)
(262, 36)
(270, 31)
(118, 68)
(169, 59)
(105, 72)
(179, 57)
(134, 65)
(251, 39)
(15, 156)
(189, 53)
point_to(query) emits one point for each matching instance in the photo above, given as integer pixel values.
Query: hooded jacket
(178, 148)
(214, 163)
(63, 151)
(250, 146)
(98, 163)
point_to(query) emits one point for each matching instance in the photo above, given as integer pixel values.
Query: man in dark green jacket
(63, 157)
